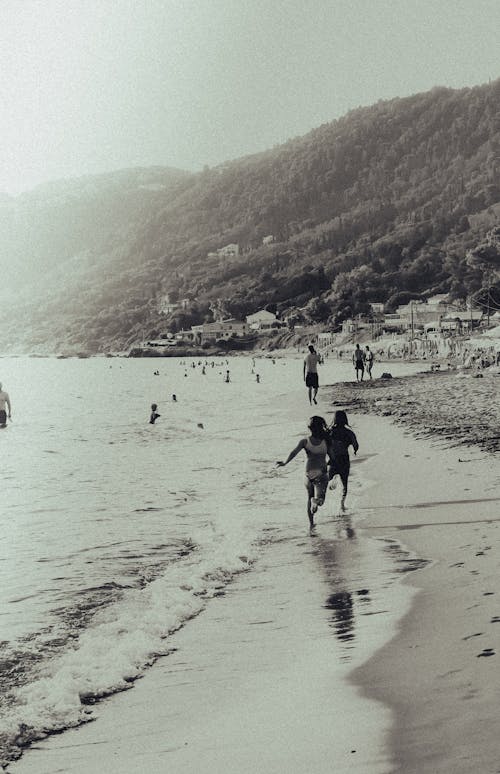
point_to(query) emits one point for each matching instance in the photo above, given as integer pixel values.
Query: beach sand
(257, 682)
(280, 683)
(440, 673)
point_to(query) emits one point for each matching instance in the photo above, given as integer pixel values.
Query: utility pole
(488, 298)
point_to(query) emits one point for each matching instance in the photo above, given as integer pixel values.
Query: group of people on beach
(362, 360)
(325, 442)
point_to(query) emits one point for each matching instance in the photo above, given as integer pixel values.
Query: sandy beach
(462, 407)
(414, 651)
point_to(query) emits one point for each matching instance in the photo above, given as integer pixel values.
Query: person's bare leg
(310, 510)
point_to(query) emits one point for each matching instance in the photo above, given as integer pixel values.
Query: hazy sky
(93, 85)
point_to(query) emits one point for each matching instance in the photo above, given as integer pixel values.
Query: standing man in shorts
(311, 373)
(4, 401)
(358, 359)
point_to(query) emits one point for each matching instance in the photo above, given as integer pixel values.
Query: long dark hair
(318, 427)
(340, 419)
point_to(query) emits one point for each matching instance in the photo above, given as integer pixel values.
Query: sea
(116, 532)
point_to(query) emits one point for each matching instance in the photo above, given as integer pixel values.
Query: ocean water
(116, 532)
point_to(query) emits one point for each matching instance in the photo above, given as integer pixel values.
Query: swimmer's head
(340, 418)
(174, 397)
(317, 426)
(153, 407)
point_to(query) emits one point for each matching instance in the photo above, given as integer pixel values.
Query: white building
(261, 320)
(229, 251)
(223, 329)
(166, 306)
(225, 253)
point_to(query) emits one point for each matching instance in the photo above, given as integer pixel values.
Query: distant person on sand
(227, 377)
(341, 437)
(316, 447)
(154, 415)
(311, 373)
(358, 360)
(369, 360)
(4, 402)
(174, 398)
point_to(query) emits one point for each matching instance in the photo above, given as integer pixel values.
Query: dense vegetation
(397, 200)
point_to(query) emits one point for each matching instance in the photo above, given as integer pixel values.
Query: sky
(89, 86)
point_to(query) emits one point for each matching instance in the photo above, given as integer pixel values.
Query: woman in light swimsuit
(316, 447)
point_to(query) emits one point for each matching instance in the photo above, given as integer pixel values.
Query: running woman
(316, 447)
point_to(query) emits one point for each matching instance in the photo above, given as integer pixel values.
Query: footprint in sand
(486, 652)
(470, 636)
(495, 619)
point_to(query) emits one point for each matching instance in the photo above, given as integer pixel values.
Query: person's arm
(7, 400)
(304, 369)
(292, 454)
(354, 442)
(331, 460)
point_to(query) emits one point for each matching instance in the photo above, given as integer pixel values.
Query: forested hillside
(395, 198)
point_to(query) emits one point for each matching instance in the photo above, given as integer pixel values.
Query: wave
(119, 643)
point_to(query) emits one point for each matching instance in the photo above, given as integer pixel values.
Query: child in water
(341, 437)
(154, 415)
(316, 447)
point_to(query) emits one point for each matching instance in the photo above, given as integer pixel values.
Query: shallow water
(116, 532)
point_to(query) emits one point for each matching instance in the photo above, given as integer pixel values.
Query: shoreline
(265, 690)
(262, 673)
(437, 674)
(432, 680)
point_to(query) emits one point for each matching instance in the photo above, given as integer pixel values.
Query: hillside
(388, 199)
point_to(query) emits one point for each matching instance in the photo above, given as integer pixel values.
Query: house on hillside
(229, 251)
(261, 320)
(166, 306)
(459, 321)
(223, 329)
(184, 335)
(366, 324)
(325, 339)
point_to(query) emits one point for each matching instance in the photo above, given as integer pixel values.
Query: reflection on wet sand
(343, 614)
(339, 557)
(357, 573)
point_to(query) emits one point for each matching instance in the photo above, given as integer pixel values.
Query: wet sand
(270, 690)
(439, 674)
(258, 682)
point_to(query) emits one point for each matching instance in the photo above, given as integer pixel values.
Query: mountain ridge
(396, 197)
